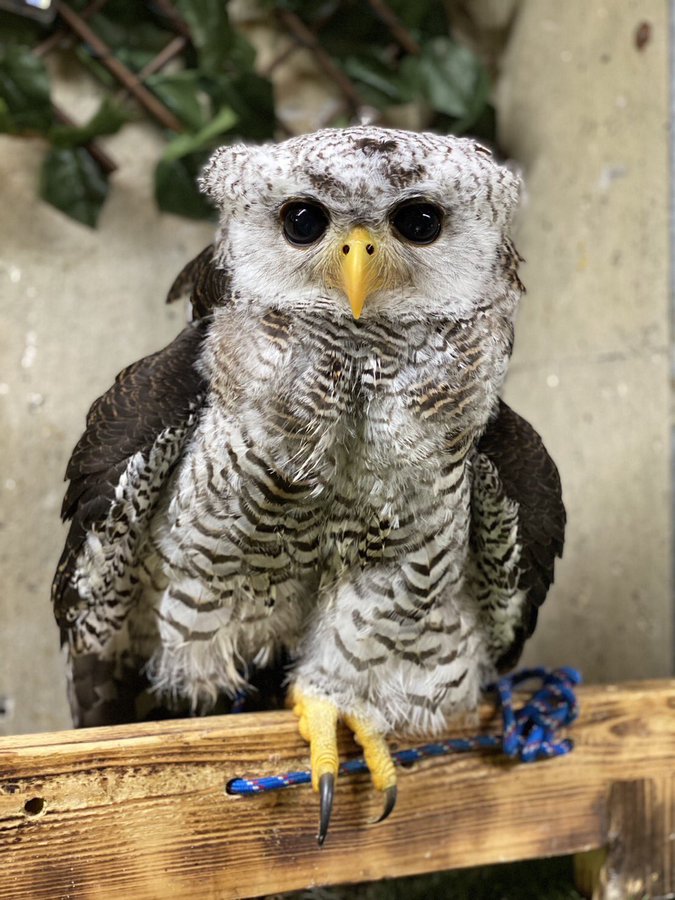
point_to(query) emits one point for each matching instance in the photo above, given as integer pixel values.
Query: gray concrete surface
(585, 112)
(586, 115)
(75, 307)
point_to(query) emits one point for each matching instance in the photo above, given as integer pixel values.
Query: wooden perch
(140, 811)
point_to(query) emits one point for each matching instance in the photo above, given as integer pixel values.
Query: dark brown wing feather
(203, 281)
(529, 477)
(157, 392)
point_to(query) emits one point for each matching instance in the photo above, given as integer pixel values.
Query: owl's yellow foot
(318, 726)
(318, 720)
(378, 759)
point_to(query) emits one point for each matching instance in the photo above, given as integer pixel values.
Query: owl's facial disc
(360, 268)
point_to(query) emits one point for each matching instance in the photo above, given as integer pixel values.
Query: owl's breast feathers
(361, 414)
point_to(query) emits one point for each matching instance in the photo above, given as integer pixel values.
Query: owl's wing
(134, 436)
(517, 530)
(157, 392)
(203, 281)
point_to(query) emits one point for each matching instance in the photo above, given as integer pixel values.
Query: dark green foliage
(219, 47)
(177, 171)
(251, 98)
(175, 187)
(72, 182)
(16, 30)
(24, 91)
(218, 97)
(446, 76)
(183, 94)
(450, 79)
(108, 120)
(424, 18)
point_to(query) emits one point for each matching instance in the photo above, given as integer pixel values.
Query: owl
(315, 490)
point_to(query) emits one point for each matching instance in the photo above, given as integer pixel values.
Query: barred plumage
(297, 480)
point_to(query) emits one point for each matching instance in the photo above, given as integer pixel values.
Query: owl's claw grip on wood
(318, 725)
(318, 720)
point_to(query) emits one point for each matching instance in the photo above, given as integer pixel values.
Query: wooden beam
(140, 811)
(640, 861)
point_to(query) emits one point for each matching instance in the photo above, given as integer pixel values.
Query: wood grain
(140, 811)
(641, 835)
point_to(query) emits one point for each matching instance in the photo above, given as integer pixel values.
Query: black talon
(326, 789)
(389, 804)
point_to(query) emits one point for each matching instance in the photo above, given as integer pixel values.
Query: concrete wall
(586, 115)
(75, 307)
(584, 110)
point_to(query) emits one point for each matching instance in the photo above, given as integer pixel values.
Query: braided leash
(530, 733)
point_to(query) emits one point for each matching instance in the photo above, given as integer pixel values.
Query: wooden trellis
(140, 811)
(74, 26)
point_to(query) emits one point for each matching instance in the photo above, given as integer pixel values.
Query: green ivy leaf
(450, 78)
(176, 188)
(134, 59)
(219, 46)
(127, 27)
(424, 18)
(108, 120)
(74, 183)
(176, 174)
(483, 128)
(183, 94)
(209, 29)
(97, 69)
(204, 139)
(308, 10)
(352, 31)
(19, 30)
(24, 91)
(241, 53)
(5, 117)
(376, 81)
(252, 99)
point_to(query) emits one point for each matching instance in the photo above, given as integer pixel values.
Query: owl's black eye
(303, 222)
(419, 223)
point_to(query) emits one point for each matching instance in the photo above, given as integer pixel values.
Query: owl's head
(376, 221)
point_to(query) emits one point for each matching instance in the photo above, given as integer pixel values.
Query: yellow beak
(360, 268)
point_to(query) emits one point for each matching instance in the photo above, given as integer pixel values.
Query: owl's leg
(318, 718)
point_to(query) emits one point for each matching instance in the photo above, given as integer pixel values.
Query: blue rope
(530, 733)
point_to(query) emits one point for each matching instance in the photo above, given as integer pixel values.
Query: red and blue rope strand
(530, 732)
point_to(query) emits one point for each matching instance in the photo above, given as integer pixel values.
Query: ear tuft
(213, 175)
(220, 175)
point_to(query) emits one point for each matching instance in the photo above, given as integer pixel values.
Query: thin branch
(319, 24)
(178, 23)
(173, 49)
(308, 39)
(399, 32)
(62, 34)
(128, 78)
(278, 60)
